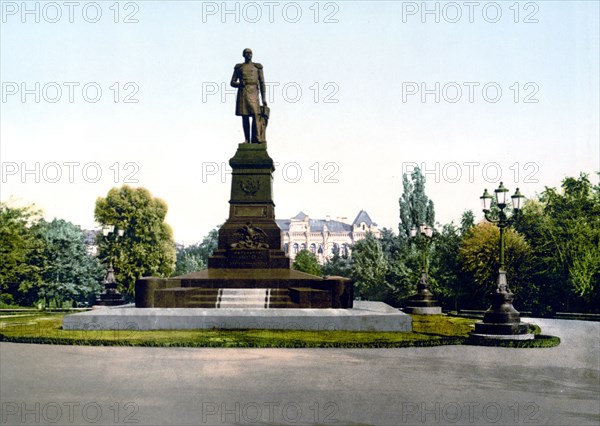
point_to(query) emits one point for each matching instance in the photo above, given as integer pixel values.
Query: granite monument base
(423, 310)
(273, 288)
(364, 316)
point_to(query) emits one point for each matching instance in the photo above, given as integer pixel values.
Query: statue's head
(247, 53)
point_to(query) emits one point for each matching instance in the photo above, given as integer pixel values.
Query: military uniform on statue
(248, 78)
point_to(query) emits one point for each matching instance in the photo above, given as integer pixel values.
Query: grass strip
(428, 330)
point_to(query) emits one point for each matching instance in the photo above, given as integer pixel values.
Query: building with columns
(320, 236)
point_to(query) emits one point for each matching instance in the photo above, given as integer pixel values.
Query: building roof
(363, 216)
(318, 225)
(300, 216)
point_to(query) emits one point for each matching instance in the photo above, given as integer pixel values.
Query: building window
(295, 248)
(313, 248)
(286, 247)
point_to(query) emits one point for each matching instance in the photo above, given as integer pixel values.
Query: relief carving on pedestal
(251, 237)
(250, 186)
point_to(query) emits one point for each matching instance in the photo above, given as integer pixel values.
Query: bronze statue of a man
(249, 80)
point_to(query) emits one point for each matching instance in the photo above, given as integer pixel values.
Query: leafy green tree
(147, 247)
(70, 274)
(391, 244)
(548, 285)
(563, 229)
(479, 254)
(338, 264)
(306, 261)
(467, 221)
(402, 266)
(21, 255)
(402, 253)
(369, 269)
(452, 284)
(415, 207)
(575, 233)
(445, 266)
(195, 257)
(187, 262)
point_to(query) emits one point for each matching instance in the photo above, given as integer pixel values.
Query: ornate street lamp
(502, 320)
(110, 296)
(422, 303)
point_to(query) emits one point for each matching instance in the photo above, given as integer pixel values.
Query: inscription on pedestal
(248, 258)
(249, 211)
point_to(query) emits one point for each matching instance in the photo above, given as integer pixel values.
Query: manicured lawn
(45, 328)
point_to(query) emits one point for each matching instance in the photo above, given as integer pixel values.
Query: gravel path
(41, 384)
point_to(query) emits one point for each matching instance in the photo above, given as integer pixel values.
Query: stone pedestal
(502, 320)
(249, 253)
(423, 302)
(110, 296)
(250, 238)
(364, 316)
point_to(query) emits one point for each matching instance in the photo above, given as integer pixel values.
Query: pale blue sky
(370, 134)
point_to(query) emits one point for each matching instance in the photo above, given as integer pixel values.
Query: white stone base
(429, 310)
(365, 316)
(527, 336)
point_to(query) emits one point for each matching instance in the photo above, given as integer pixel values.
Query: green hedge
(540, 341)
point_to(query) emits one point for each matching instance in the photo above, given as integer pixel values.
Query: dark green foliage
(240, 340)
(467, 220)
(369, 269)
(445, 266)
(195, 257)
(70, 273)
(402, 266)
(337, 265)
(389, 269)
(540, 341)
(563, 228)
(21, 258)
(44, 261)
(306, 261)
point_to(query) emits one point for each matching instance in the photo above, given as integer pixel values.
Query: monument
(249, 283)
(249, 267)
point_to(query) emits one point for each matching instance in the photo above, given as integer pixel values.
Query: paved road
(413, 386)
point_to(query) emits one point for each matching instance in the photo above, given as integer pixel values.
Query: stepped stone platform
(287, 288)
(249, 255)
(364, 316)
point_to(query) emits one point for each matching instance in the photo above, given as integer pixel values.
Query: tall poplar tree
(415, 207)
